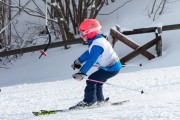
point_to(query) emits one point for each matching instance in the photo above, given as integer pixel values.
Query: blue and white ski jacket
(100, 53)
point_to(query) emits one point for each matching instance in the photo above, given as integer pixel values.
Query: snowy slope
(160, 103)
(32, 84)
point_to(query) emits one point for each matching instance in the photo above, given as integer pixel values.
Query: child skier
(101, 53)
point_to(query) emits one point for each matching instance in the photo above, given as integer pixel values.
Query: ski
(48, 112)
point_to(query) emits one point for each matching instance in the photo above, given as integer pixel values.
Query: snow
(32, 84)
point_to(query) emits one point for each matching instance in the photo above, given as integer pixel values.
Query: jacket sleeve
(84, 57)
(96, 51)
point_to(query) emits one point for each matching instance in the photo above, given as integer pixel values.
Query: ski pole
(126, 65)
(96, 81)
(43, 52)
(132, 65)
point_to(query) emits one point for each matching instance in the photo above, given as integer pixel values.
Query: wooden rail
(40, 47)
(151, 29)
(64, 43)
(140, 50)
(129, 43)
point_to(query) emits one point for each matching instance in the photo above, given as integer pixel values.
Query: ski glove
(76, 64)
(79, 76)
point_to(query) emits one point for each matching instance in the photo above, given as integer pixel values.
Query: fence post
(158, 33)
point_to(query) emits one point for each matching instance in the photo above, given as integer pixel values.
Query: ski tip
(35, 113)
(43, 112)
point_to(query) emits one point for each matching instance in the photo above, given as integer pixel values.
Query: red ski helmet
(90, 28)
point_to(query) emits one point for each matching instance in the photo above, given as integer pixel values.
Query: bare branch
(28, 12)
(153, 7)
(157, 10)
(164, 2)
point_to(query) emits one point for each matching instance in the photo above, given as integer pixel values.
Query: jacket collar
(90, 41)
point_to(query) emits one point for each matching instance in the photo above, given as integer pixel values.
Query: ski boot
(81, 105)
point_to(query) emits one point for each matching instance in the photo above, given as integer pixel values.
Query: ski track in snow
(160, 103)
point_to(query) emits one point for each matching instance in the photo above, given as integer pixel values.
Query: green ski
(48, 112)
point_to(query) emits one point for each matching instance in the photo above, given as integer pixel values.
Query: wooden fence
(138, 49)
(121, 36)
(40, 47)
